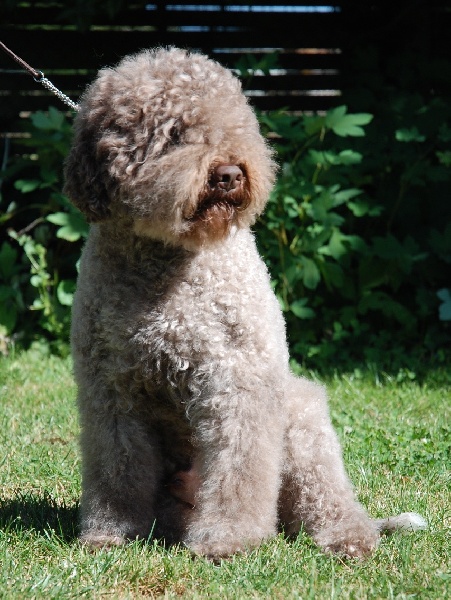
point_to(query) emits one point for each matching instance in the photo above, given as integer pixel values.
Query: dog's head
(168, 138)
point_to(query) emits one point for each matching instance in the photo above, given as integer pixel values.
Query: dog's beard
(216, 213)
(209, 220)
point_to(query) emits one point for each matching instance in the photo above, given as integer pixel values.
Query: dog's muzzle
(224, 195)
(226, 178)
(220, 206)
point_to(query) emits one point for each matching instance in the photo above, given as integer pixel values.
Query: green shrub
(357, 234)
(40, 237)
(354, 235)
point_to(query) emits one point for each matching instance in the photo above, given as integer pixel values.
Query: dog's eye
(174, 136)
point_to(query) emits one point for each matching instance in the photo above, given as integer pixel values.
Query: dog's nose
(227, 177)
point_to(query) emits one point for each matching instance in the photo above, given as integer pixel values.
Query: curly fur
(179, 344)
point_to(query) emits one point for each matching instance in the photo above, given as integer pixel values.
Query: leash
(39, 77)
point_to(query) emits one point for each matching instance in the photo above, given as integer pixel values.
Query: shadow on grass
(39, 514)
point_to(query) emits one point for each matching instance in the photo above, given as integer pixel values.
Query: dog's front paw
(99, 539)
(219, 543)
(216, 550)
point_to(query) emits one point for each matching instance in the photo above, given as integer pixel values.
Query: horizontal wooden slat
(49, 16)
(423, 25)
(46, 59)
(132, 14)
(286, 59)
(299, 31)
(62, 50)
(304, 103)
(26, 84)
(235, 26)
(71, 50)
(21, 82)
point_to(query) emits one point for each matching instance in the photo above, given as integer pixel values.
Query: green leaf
(65, 292)
(73, 225)
(314, 238)
(40, 120)
(409, 135)
(387, 247)
(8, 258)
(340, 244)
(373, 272)
(311, 275)
(283, 304)
(320, 157)
(49, 177)
(59, 218)
(337, 248)
(444, 133)
(5, 293)
(360, 208)
(38, 304)
(382, 302)
(349, 157)
(321, 213)
(345, 195)
(333, 274)
(334, 115)
(56, 118)
(284, 125)
(52, 120)
(27, 185)
(344, 125)
(320, 210)
(291, 206)
(441, 243)
(445, 308)
(403, 255)
(327, 158)
(313, 124)
(299, 308)
(444, 158)
(39, 280)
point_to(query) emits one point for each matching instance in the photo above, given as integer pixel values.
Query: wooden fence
(312, 39)
(306, 76)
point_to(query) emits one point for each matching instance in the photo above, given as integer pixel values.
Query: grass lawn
(396, 440)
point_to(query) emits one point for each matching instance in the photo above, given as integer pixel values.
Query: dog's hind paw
(355, 539)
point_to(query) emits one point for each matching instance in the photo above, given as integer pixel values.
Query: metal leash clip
(39, 77)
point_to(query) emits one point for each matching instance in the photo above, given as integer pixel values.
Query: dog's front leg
(121, 471)
(239, 458)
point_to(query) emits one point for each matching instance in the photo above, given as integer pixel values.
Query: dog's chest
(220, 303)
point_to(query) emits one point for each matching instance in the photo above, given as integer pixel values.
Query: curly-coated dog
(179, 344)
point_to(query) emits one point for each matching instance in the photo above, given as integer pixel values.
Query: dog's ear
(86, 177)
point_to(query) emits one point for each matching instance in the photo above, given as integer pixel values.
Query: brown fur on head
(141, 128)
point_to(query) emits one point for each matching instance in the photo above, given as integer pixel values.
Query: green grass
(395, 433)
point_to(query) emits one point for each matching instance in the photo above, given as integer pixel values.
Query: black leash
(39, 77)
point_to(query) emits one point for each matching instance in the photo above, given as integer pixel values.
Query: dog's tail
(405, 522)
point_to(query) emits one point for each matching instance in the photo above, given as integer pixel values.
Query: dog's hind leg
(316, 491)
